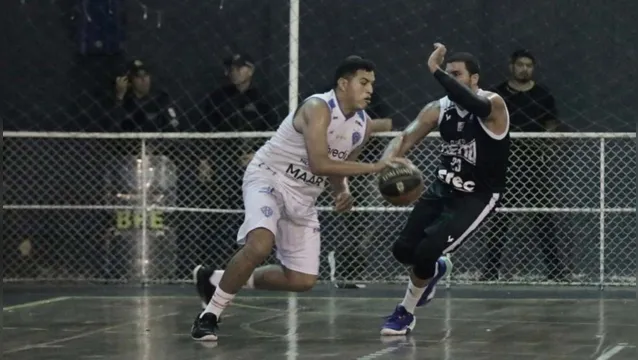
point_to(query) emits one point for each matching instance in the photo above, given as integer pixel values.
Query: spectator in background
(532, 108)
(138, 106)
(239, 105)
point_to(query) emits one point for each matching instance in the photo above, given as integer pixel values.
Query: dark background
(586, 51)
(586, 55)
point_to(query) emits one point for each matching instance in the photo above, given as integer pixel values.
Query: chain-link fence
(148, 207)
(65, 55)
(117, 205)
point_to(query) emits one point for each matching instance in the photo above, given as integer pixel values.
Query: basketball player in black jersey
(474, 128)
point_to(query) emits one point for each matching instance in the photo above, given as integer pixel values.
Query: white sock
(250, 284)
(217, 277)
(412, 296)
(218, 303)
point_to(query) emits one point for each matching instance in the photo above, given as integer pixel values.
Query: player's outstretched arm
(381, 125)
(312, 121)
(426, 121)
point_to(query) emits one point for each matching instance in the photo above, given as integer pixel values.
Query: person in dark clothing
(532, 109)
(239, 105)
(139, 107)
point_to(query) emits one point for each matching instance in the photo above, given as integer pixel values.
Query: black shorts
(444, 218)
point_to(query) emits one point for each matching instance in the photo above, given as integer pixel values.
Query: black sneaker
(205, 328)
(201, 278)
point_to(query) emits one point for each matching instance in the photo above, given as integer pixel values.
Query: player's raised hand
(343, 202)
(437, 57)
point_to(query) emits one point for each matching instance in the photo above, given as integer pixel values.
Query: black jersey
(472, 158)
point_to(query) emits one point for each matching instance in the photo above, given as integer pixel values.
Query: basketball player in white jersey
(315, 145)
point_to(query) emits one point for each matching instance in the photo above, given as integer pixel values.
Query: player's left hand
(437, 57)
(343, 202)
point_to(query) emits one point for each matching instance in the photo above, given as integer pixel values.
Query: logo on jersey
(356, 137)
(267, 211)
(267, 190)
(456, 181)
(304, 176)
(460, 125)
(459, 148)
(337, 154)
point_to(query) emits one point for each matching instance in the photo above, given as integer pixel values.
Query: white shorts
(269, 204)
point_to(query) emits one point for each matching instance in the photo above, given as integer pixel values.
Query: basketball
(401, 184)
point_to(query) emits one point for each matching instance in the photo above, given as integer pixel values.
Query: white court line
(83, 335)
(608, 354)
(35, 303)
(380, 353)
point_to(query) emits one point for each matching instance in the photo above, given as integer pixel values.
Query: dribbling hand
(392, 159)
(392, 162)
(437, 57)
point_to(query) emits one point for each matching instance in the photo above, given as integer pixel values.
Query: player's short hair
(471, 62)
(522, 53)
(349, 67)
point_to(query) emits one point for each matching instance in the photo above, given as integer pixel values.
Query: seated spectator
(138, 106)
(239, 105)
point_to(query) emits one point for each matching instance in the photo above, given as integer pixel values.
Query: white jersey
(285, 153)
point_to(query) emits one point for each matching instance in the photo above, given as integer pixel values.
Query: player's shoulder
(442, 104)
(495, 98)
(312, 106)
(489, 93)
(326, 97)
(314, 103)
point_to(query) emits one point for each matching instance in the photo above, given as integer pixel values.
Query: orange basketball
(401, 185)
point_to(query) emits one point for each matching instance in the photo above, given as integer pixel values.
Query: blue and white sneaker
(443, 267)
(401, 322)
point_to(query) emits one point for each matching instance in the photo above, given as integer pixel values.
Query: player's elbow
(320, 166)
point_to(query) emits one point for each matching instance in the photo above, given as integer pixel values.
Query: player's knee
(402, 252)
(425, 257)
(300, 282)
(259, 245)
(425, 269)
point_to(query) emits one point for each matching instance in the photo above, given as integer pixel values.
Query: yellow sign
(127, 219)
